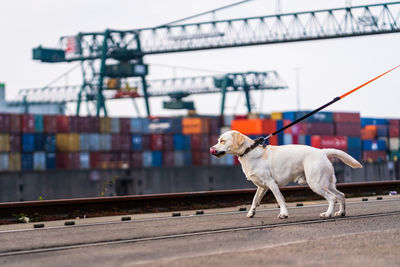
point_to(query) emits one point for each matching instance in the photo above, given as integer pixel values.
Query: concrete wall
(25, 186)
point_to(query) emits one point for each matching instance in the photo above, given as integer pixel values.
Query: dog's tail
(349, 160)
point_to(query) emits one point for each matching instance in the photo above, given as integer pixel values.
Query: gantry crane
(119, 54)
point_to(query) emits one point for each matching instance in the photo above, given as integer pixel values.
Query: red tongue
(213, 151)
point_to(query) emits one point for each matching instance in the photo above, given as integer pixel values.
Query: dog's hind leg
(256, 200)
(281, 200)
(340, 197)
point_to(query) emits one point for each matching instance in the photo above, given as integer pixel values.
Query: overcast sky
(327, 68)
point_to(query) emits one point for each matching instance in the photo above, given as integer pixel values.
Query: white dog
(276, 166)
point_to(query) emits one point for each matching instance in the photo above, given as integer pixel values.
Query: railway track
(43, 249)
(105, 206)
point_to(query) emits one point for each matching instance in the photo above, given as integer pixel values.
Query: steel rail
(191, 234)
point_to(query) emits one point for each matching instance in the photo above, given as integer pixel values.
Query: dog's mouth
(216, 153)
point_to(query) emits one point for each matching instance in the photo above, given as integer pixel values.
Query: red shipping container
(27, 123)
(4, 123)
(94, 124)
(83, 124)
(67, 160)
(124, 125)
(116, 142)
(348, 129)
(125, 142)
(168, 158)
(62, 124)
(285, 123)
(337, 142)
(168, 142)
(50, 123)
(374, 156)
(299, 128)
(200, 142)
(215, 124)
(95, 159)
(200, 158)
(295, 139)
(240, 117)
(73, 124)
(394, 122)
(347, 117)
(146, 142)
(320, 128)
(394, 131)
(213, 140)
(136, 159)
(156, 142)
(15, 123)
(15, 143)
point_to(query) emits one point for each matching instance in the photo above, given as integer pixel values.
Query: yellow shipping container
(4, 142)
(276, 115)
(195, 125)
(105, 125)
(68, 142)
(14, 162)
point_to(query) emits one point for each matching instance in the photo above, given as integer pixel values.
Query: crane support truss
(290, 27)
(269, 80)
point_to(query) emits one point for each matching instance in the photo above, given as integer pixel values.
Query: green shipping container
(39, 126)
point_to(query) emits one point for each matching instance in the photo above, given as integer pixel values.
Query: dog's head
(231, 142)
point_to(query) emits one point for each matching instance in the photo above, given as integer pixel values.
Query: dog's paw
(283, 215)
(340, 214)
(325, 215)
(251, 213)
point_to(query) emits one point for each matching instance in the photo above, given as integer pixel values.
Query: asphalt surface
(352, 241)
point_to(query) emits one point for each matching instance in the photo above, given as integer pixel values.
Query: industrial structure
(111, 56)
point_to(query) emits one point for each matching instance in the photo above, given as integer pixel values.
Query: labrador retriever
(275, 166)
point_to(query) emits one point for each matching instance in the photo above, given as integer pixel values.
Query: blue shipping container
(183, 158)
(373, 121)
(181, 142)
(27, 161)
(28, 142)
(39, 126)
(382, 131)
(289, 115)
(157, 158)
(137, 142)
(139, 125)
(50, 161)
(39, 142)
(322, 116)
(374, 145)
(354, 143)
(355, 153)
(279, 125)
(305, 140)
(167, 125)
(50, 143)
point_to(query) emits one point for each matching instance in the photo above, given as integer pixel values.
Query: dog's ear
(237, 141)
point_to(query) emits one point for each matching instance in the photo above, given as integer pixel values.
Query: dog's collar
(257, 142)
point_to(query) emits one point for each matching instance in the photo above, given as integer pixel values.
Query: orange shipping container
(105, 125)
(67, 142)
(368, 134)
(14, 162)
(4, 142)
(195, 125)
(254, 126)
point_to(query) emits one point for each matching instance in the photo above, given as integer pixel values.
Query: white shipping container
(115, 125)
(105, 142)
(84, 142)
(39, 161)
(394, 143)
(179, 158)
(3, 161)
(94, 142)
(84, 160)
(147, 159)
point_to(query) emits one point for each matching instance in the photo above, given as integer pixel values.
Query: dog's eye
(222, 141)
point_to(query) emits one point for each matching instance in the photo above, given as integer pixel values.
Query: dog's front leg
(281, 200)
(256, 200)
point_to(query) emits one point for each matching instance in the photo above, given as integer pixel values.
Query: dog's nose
(213, 151)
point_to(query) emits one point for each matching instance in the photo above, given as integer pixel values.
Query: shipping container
(105, 125)
(14, 161)
(62, 124)
(125, 125)
(27, 123)
(39, 143)
(156, 142)
(355, 153)
(345, 117)
(394, 144)
(84, 160)
(181, 142)
(50, 123)
(374, 145)
(394, 131)
(152, 158)
(67, 142)
(227, 120)
(84, 142)
(215, 124)
(39, 161)
(276, 116)
(120, 142)
(337, 142)
(304, 139)
(165, 125)
(94, 142)
(73, 124)
(168, 158)
(4, 123)
(320, 128)
(287, 139)
(354, 143)
(199, 142)
(26, 161)
(50, 161)
(95, 159)
(15, 143)
(4, 162)
(28, 142)
(105, 142)
(200, 158)
(136, 159)
(183, 158)
(348, 129)
(195, 125)
(394, 122)
(139, 125)
(115, 125)
(368, 134)
(15, 123)
(168, 142)
(254, 126)
(39, 125)
(321, 116)
(68, 160)
(372, 156)
(373, 121)
(50, 142)
(382, 131)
